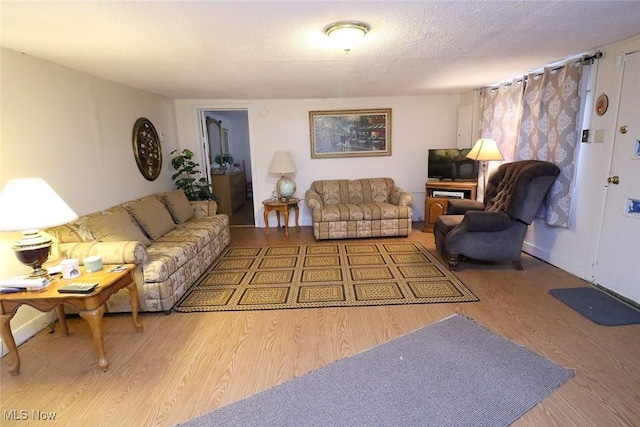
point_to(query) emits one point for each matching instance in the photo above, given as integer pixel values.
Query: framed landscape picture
(350, 133)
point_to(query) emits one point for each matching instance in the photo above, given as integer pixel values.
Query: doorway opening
(227, 150)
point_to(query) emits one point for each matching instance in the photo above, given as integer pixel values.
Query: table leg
(94, 318)
(62, 319)
(133, 295)
(297, 209)
(266, 220)
(286, 222)
(7, 337)
(278, 216)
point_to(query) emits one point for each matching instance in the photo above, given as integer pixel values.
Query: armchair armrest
(486, 221)
(400, 197)
(460, 206)
(111, 252)
(313, 199)
(204, 208)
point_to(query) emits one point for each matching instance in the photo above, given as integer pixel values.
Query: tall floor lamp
(485, 150)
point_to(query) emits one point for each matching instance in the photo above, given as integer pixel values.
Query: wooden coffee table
(91, 306)
(281, 206)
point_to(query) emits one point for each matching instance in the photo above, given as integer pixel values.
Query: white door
(618, 260)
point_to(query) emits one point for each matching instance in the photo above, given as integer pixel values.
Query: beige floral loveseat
(170, 239)
(370, 207)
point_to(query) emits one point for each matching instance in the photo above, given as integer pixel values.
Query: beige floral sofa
(170, 240)
(370, 207)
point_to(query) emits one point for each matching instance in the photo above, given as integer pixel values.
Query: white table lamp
(29, 205)
(282, 163)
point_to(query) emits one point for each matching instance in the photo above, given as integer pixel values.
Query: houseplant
(186, 177)
(224, 161)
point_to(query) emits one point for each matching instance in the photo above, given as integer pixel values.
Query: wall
(73, 130)
(418, 123)
(575, 249)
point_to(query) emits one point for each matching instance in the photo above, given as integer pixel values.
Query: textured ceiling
(277, 49)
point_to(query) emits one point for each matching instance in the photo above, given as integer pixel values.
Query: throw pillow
(153, 217)
(179, 206)
(116, 227)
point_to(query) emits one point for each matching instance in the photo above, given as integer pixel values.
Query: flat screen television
(450, 164)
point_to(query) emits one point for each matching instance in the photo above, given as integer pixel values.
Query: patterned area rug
(323, 275)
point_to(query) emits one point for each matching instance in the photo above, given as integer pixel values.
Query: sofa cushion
(200, 237)
(153, 217)
(165, 258)
(374, 190)
(338, 212)
(368, 190)
(332, 191)
(200, 231)
(380, 211)
(72, 232)
(179, 206)
(116, 227)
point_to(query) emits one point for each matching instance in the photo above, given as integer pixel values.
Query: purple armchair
(495, 230)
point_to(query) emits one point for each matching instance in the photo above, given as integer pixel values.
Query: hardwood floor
(244, 216)
(186, 364)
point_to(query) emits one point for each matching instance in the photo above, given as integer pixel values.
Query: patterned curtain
(501, 112)
(549, 131)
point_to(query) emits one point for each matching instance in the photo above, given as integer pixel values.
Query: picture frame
(350, 133)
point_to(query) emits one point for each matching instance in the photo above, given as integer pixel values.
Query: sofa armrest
(486, 221)
(111, 252)
(313, 199)
(400, 197)
(460, 206)
(204, 208)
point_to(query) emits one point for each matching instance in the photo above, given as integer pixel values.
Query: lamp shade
(31, 204)
(485, 150)
(282, 163)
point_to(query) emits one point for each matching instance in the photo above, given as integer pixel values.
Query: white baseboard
(29, 329)
(565, 263)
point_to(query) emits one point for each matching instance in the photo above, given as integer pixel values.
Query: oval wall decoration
(602, 105)
(146, 149)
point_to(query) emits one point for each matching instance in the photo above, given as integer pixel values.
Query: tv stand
(436, 204)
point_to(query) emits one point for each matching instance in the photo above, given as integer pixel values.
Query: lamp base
(33, 250)
(286, 187)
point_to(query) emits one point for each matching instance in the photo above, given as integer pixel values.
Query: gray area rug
(598, 306)
(450, 373)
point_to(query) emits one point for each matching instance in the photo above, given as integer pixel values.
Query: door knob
(613, 180)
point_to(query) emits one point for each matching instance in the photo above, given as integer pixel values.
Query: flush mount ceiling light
(347, 33)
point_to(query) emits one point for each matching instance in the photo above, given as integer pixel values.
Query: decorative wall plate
(146, 149)
(602, 104)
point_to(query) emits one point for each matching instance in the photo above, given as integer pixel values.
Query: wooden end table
(91, 306)
(281, 205)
